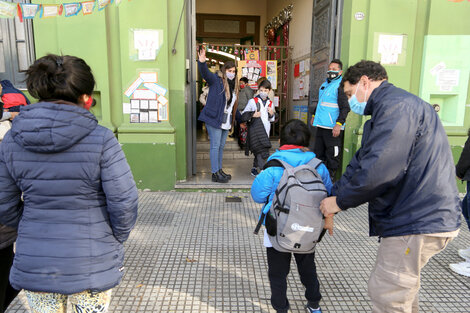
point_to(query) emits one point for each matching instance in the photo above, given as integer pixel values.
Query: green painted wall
(155, 152)
(416, 19)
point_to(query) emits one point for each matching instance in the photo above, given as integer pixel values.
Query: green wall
(155, 152)
(417, 19)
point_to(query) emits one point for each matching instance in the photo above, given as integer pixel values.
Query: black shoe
(225, 174)
(218, 178)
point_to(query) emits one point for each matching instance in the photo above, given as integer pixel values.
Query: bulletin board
(301, 82)
(253, 70)
(147, 101)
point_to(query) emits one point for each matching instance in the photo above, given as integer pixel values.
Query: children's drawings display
(148, 103)
(253, 70)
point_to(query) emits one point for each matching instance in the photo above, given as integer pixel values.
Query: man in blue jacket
(405, 171)
(329, 118)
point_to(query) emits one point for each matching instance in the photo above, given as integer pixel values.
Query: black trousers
(7, 293)
(328, 149)
(260, 159)
(278, 269)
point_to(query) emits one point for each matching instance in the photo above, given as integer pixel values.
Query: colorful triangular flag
(103, 4)
(27, 10)
(88, 7)
(72, 9)
(50, 10)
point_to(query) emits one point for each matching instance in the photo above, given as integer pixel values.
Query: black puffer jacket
(404, 168)
(463, 166)
(257, 140)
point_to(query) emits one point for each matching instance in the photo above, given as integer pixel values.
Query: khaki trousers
(395, 280)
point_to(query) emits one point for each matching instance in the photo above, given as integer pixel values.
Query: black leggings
(7, 293)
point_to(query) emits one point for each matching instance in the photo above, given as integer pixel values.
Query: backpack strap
(258, 107)
(315, 163)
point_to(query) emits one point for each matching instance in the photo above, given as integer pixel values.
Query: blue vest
(327, 109)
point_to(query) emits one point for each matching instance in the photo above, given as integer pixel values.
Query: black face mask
(332, 75)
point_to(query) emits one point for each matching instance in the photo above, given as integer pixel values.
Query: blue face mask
(356, 106)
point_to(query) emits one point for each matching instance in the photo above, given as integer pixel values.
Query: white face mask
(230, 75)
(263, 95)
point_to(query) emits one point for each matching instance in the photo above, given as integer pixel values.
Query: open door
(191, 81)
(326, 39)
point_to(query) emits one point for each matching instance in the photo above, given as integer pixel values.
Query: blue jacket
(213, 112)
(80, 200)
(266, 182)
(327, 111)
(404, 168)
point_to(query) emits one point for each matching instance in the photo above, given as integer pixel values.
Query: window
(16, 49)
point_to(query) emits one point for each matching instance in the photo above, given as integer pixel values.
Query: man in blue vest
(329, 118)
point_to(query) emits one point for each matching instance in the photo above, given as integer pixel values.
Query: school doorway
(241, 31)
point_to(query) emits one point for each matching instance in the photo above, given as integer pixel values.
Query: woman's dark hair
(227, 65)
(295, 132)
(55, 77)
(375, 71)
(265, 84)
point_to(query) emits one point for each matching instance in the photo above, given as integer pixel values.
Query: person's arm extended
(384, 157)
(343, 105)
(464, 161)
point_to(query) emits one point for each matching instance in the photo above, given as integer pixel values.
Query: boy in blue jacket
(295, 137)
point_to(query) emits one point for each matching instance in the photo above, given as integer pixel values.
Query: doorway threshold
(238, 168)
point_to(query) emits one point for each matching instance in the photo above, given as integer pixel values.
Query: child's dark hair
(295, 132)
(244, 79)
(265, 84)
(55, 77)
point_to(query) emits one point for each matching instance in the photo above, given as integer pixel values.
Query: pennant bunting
(50, 10)
(103, 4)
(71, 9)
(27, 10)
(7, 9)
(88, 7)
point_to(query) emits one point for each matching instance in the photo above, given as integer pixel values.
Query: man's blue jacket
(404, 168)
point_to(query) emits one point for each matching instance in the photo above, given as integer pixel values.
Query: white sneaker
(465, 253)
(462, 268)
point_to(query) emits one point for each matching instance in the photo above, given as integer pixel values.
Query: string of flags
(30, 10)
(234, 50)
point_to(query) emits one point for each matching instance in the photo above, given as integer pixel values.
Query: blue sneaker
(254, 172)
(312, 310)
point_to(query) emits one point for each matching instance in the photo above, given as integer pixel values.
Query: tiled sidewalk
(193, 252)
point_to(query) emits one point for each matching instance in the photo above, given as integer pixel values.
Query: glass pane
(2, 59)
(221, 26)
(19, 29)
(250, 27)
(22, 56)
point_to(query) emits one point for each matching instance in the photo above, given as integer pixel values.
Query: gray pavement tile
(193, 252)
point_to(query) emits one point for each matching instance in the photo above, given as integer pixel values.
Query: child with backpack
(293, 178)
(259, 113)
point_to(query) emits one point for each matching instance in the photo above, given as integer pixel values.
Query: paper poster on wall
(447, 78)
(390, 49)
(149, 77)
(146, 44)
